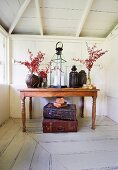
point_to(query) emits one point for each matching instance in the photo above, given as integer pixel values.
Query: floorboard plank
(102, 160)
(5, 127)
(8, 158)
(8, 137)
(41, 159)
(24, 158)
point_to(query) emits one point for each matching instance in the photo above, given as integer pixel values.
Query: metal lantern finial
(58, 68)
(59, 48)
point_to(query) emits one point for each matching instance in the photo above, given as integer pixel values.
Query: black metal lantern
(73, 77)
(58, 72)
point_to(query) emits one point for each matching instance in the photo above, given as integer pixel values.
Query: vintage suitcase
(64, 113)
(55, 125)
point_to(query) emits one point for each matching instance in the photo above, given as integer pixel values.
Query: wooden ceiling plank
(18, 16)
(39, 16)
(84, 16)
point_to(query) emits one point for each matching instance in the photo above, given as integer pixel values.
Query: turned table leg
(30, 107)
(93, 112)
(23, 113)
(82, 107)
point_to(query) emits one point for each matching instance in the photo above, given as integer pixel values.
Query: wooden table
(57, 92)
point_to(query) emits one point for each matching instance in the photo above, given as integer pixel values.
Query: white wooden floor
(85, 150)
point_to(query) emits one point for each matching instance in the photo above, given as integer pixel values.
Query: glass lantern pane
(58, 72)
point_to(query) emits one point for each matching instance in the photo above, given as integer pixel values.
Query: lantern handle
(59, 43)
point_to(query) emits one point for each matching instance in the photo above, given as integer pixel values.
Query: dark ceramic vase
(33, 81)
(82, 78)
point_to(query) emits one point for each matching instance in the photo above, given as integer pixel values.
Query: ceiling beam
(62, 38)
(84, 16)
(19, 14)
(113, 33)
(3, 31)
(39, 16)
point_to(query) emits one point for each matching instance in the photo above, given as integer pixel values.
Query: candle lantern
(58, 69)
(73, 77)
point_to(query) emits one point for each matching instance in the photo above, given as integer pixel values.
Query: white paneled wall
(72, 48)
(111, 67)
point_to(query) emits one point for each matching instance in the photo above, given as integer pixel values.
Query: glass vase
(44, 82)
(89, 78)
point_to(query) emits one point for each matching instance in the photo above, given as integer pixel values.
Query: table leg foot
(24, 130)
(93, 128)
(81, 115)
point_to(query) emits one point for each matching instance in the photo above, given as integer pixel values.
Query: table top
(58, 92)
(56, 89)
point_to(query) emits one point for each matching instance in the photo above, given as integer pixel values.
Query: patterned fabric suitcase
(55, 125)
(64, 113)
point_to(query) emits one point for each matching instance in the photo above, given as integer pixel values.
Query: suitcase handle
(60, 129)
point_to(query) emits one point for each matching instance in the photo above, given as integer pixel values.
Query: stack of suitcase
(59, 119)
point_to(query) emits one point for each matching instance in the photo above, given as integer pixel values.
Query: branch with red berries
(94, 54)
(34, 63)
